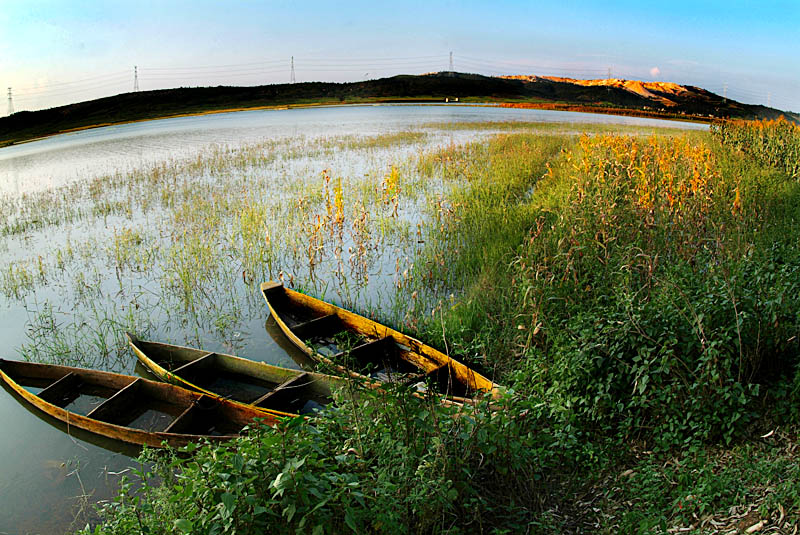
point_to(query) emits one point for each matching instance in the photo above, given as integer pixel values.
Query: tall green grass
(475, 228)
(775, 143)
(640, 288)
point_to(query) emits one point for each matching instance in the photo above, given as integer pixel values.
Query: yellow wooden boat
(125, 408)
(256, 385)
(360, 347)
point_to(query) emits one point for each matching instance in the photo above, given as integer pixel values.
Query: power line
(508, 68)
(166, 75)
(216, 67)
(525, 64)
(256, 71)
(72, 86)
(83, 80)
(119, 84)
(373, 60)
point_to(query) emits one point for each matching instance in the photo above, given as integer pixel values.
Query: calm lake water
(78, 289)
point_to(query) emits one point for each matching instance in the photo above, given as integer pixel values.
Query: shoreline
(573, 108)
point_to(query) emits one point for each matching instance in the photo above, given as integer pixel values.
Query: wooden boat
(360, 347)
(256, 385)
(125, 408)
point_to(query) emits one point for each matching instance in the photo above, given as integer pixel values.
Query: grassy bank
(640, 298)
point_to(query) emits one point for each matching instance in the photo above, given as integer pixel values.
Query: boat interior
(298, 394)
(377, 357)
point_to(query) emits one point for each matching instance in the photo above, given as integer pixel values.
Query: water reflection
(298, 356)
(50, 474)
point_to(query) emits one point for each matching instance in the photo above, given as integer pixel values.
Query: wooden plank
(183, 421)
(364, 353)
(318, 326)
(271, 286)
(280, 391)
(195, 364)
(113, 405)
(56, 392)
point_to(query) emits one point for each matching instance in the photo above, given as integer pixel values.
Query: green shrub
(386, 463)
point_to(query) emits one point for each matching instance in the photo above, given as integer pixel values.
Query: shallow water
(85, 289)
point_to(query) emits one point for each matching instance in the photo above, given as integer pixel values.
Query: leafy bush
(385, 463)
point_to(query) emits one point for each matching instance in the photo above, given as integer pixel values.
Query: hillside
(613, 95)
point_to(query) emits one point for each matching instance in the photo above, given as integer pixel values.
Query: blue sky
(55, 52)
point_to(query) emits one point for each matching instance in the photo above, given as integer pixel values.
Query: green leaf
(184, 525)
(229, 501)
(348, 519)
(238, 462)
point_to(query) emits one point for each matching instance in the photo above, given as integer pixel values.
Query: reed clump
(772, 142)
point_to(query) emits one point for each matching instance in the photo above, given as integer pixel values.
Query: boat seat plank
(113, 405)
(193, 365)
(282, 390)
(317, 326)
(367, 352)
(58, 390)
(183, 421)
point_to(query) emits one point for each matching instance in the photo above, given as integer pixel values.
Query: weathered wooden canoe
(256, 385)
(360, 347)
(125, 408)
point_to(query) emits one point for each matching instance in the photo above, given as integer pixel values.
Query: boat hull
(251, 384)
(297, 314)
(184, 404)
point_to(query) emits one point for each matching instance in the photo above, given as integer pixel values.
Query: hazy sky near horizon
(54, 52)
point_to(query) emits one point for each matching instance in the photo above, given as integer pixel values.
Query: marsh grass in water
(181, 245)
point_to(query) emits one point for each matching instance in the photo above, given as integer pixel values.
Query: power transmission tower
(10, 103)
(135, 78)
(769, 100)
(609, 73)
(292, 78)
(451, 61)
(725, 92)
